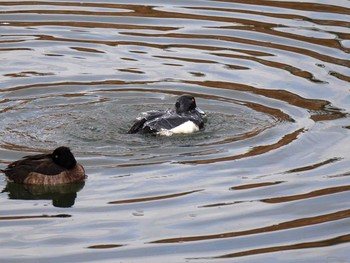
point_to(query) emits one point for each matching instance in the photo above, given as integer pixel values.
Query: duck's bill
(200, 111)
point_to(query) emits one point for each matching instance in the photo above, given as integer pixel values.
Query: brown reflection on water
(315, 244)
(319, 109)
(276, 46)
(276, 15)
(28, 74)
(249, 25)
(316, 193)
(72, 24)
(314, 7)
(105, 246)
(340, 76)
(84, 49)
(293, 70)
(64, 83)
(287, 139)
(250, 186)
(34, 217)
(14, 49)
(21, 148)
(302, 222)
(313, 166)
(153, 198)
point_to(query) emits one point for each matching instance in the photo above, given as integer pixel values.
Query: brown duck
(59, 167)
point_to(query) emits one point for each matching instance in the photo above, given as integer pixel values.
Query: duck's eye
(55, 156)
(193, 100)
(177, 105)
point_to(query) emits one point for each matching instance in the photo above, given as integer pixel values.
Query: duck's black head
(64, 157)
(186, 103)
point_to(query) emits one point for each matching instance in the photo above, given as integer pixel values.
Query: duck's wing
(146, 117)
(137, 126)
(165, 123)
(170, 122)
(29, 162)
(42, 163)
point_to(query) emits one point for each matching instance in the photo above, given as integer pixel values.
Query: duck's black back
(139, 124)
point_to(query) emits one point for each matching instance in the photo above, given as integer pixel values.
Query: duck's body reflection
(63, 195)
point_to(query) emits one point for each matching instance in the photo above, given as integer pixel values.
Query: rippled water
(266, 181)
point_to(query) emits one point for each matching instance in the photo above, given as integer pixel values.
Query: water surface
(266, 181)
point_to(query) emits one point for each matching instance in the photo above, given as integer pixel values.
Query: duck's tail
(137, 126)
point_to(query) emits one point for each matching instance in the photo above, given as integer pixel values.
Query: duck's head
(64, 157)
(187, 103)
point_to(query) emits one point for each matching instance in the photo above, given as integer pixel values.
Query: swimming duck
(185, 118)
(58, 167)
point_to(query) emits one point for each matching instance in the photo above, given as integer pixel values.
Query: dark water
(266, 181)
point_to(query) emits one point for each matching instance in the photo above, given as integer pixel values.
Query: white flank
(186, 127)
